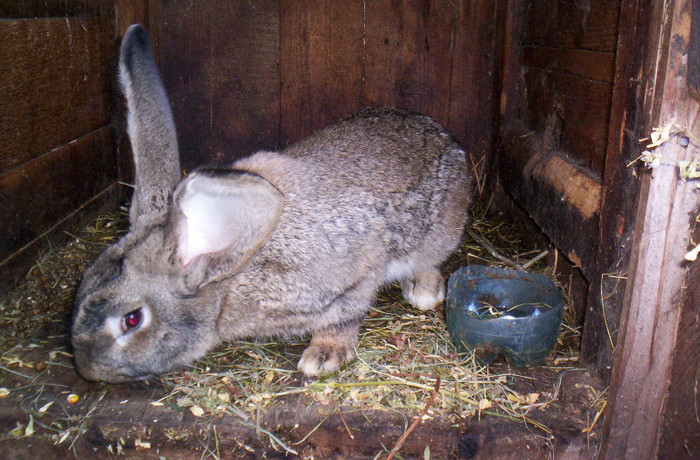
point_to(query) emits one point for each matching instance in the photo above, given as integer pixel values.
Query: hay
(401, 355)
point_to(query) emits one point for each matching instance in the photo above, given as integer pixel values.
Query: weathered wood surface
(322, 46)
(108, 418)
(588, 25)
(220, 65)
(680, 429)
(408, 55)
(581, 105)
(41, 193)
(57, 156)
(555, 100)
(653, 399)
(50, 8)
(303, 65)
(620, 184)
(694, 54)
(54, 84)
(473, 90)
(563, 200)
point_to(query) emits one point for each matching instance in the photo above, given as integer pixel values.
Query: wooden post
(657, 294)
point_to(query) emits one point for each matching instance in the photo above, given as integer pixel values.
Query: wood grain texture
(13, 268)
(694, 54)
(408, 52)
(220, 65)
(558, 196)
(45, 191)
(472, 85)
(680, 429)
(48, 8)
(649, 355)
(580, 106)
(592, 65)
(588, 25)
(321, 64)
(621, 185)
(54, 84)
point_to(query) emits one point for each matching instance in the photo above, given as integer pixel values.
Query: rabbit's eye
(132, 320)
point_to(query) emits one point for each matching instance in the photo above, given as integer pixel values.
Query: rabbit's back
(365, 200)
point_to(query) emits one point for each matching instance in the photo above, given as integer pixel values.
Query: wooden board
(589, 25)
(54, 84)
(66, 8)
(321, 64)
(654, 385)
(408, 55)
(220, 65)
(591, 65)
(43, 192)
(620, 186)
(582, 129)
(472, 85)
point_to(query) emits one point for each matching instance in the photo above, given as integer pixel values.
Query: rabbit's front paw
(327, 351)
(426, 291)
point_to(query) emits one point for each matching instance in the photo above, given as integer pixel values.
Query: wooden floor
(113, 419)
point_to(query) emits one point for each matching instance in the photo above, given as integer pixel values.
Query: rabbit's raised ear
(222, 218)
(150, 126)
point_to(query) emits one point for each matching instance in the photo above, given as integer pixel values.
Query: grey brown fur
(279, 244)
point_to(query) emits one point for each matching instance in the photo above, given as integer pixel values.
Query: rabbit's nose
(83, 365)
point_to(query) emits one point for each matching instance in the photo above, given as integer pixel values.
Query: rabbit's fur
(278, 244)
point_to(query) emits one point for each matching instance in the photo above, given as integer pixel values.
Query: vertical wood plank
(408, 53)
(54, 84)
(590, 24)
(657, 289)
(44, 191)
(321, 63)
(472, 77)
(621, 185)
(220, 65)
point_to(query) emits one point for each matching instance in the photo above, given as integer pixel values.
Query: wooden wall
(57, 153)
(285, 68)
(569, 127)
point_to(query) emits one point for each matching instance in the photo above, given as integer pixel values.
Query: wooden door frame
(661, 284)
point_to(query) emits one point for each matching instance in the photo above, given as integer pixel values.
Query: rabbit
(277, 244)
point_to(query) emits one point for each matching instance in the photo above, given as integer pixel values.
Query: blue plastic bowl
(493, 311)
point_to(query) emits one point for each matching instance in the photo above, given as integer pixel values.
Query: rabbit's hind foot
(426, 290)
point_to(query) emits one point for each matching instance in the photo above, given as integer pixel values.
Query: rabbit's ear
(150, 126)
(222, 218)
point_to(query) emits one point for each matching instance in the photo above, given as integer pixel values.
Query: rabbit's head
(150, 302)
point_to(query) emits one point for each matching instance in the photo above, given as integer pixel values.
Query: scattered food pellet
(45, 407)
(72, 398)
(4, 392)
(197, 411)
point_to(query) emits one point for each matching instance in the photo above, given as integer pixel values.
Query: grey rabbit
(278, 244)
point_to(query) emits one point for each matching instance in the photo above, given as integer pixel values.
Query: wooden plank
(321, 64)
(592, 65)
(620, 186)
(408, 55)
(648, 358)
(44, 191)
(581, 122)
(224, 87)
(471, 116)
(560, 198)
(680, 429)
(128, 12)
(67, 8)
(54, 84)
(15, 267)
(590, 25)
(694, 55)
